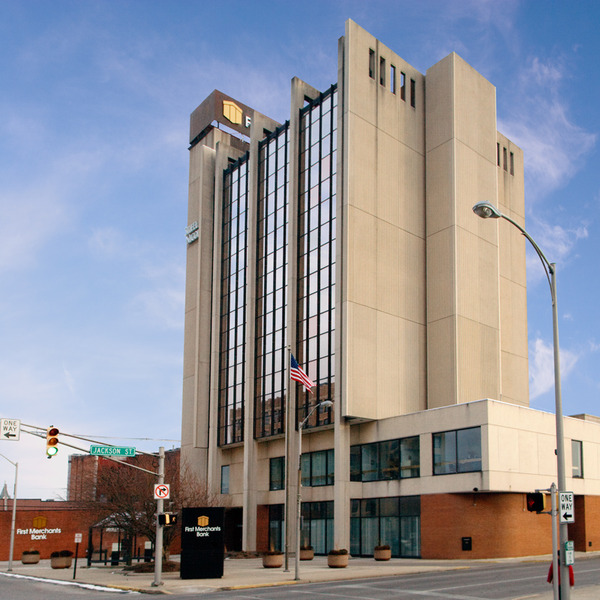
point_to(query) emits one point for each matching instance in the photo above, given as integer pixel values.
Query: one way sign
(566, 507)
(10, 429)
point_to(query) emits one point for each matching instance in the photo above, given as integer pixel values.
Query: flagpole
(285, 460)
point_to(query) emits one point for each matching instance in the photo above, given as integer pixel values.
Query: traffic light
(51, 441)
(535, 502)
(167, 519)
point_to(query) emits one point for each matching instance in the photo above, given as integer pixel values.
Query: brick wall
(499, 526)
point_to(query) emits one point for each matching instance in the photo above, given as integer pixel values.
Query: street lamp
(324, 403)
(485, 210)
(14, 513)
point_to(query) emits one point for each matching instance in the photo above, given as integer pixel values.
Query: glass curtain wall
(233, 304)
(316, 254)
(317, 526)
(271, 273)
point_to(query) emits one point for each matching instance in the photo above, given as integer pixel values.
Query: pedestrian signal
(167, 519)
(535, 502)
(51, 441)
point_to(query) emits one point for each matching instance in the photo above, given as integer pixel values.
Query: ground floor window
(276, 527)
(393, 521)
(317, 526)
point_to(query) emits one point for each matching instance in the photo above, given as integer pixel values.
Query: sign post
(161, 491)
(78, 538)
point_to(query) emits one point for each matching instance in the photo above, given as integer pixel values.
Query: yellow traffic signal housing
(51, 441)
(167, 519)
(535, 502)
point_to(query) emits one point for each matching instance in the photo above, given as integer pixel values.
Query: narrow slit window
(382, 71)
(371, 63)
(498, 153)
(413, 93)
(512, 163)
(402, 86)
(392, 79)
(505, 159)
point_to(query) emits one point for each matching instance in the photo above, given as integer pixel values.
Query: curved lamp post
(485, 210)
(324, 403)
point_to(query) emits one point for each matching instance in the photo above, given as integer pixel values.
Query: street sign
(112, 451)
(78, 538)
(162, 491)
(10, 429)
(566, 504)
(569, 553)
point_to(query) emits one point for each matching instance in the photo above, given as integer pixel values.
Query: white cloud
(541, 366)
(540, 124)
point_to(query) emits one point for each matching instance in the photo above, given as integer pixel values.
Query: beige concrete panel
(410, 194)
(475, 110)
(512, 248)
(477, 282)
(362, 165)
(441, 276)
(513, 317)
(515, 378)
(478, 360)
(475, 179)
(362, 361)
(440, 205)
(388, 180)
(361, 90)
(441, 363)
(388, 374)
(439, 117)
(362, 257)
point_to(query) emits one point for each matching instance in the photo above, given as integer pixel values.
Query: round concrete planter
(307, 553)
(272, 561)
(337, 560)
(382, 553)
(61, 562)
(30, 558)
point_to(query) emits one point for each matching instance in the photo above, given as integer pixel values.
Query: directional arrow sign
(10, 429)
(566, 507)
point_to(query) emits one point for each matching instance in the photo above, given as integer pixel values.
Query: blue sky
(96, 98)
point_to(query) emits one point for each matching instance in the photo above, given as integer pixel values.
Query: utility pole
(158, 546)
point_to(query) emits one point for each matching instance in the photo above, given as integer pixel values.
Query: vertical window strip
(232, 313)
(316, 254)
(392, 79)
(271, 273)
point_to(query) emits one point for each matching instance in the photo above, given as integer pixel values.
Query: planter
(382, 553)
(30, 558)
(272, 561)
(307, 553)
(337, 560)
(61, 562)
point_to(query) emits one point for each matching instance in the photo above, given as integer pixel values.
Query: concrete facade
(418, 335)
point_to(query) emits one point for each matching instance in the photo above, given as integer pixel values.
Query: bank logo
(39, 522)
(202, 521)
(232, 112)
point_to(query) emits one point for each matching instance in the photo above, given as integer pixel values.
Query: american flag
(297, 374)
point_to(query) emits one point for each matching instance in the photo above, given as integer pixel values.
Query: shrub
(382, 547)
(31, 551)
(339, 552)
(57, 553)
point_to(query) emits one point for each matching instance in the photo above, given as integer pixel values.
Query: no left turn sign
(162, 491)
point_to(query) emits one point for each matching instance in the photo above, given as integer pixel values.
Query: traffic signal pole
(555, 565)
(158, 545)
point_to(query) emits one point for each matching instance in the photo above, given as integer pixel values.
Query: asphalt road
(493, 581)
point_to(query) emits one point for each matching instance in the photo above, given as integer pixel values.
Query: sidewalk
(249, 573)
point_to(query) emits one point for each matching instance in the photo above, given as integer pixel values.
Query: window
(413, 93)
(577, 453)
(371, 63)
(498, 153)
(277, 473)
(505, 159)
(387, 460)
(402, 86)
(512, 163)
(394, 521)
(276, 527)
(457, 451)
(225, 479)
(392, 79)
(382, 71)
(317, 526)
(317, 468)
